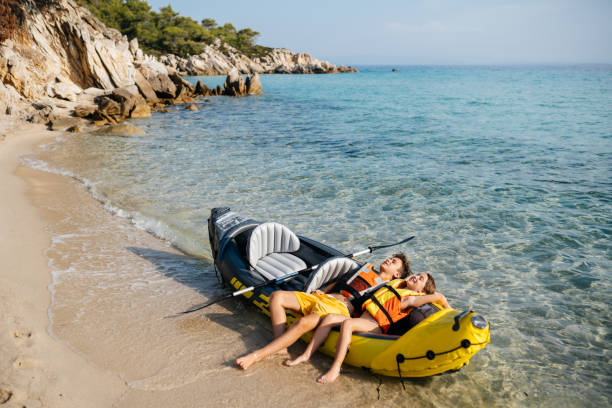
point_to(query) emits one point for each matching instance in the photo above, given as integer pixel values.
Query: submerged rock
(121, 129)
(66, 123)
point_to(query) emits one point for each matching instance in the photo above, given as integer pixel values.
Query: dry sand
(36, 369)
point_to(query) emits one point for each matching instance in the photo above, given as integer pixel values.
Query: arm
(416, 301)
(327, 289)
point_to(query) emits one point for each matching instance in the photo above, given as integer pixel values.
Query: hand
(442, 300)
(318, 292)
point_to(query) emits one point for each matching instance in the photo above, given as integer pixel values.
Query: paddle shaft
(286, 278)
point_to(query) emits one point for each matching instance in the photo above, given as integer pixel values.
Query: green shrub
(167, 31)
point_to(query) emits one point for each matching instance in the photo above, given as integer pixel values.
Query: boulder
(126, 99)
(191, 107)
(122, 129)
(141, 110)
(145, 87)
(66, 123)
(132, 105)
(66, 90)
(202, 90)
(234, 84)
(43, 113)
(181, 83)
(184, 96)
(107, 107)
(95, 91)
(163, 86)
(84, 111)
(253, 85)
(75, 129)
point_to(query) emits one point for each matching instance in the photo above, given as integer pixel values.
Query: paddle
(282, 279)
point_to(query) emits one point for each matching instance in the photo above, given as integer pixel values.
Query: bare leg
(305, 324)
(279, 301)
(344, 340)
(330, 321)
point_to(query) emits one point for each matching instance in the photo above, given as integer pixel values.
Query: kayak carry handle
(458, 318)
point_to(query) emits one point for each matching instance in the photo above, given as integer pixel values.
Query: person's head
(422, 282)
(398, 266)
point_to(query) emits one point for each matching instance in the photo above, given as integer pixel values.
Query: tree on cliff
(168, 31)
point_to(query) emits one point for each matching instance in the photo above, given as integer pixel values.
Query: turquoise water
(504, 174)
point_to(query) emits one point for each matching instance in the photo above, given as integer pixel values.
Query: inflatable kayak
(250, 253)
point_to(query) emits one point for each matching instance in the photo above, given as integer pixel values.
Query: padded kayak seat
(329, 270)
(268, 250)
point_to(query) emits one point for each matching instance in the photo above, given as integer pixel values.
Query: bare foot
(300, 359)
(282, 351)
(329, 377)
(245, 362)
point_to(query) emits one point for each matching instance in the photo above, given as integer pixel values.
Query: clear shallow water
(502, 173)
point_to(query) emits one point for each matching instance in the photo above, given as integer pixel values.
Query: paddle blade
(374, 248)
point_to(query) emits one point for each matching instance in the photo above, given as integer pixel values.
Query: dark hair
(430, 285)
(406, 270)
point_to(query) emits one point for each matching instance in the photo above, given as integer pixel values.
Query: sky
(397, 32)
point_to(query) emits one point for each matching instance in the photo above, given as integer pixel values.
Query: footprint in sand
(23, 337)
(5, 396)
(24, 363)
(22, 334)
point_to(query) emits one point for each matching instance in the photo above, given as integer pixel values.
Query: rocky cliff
(220, 59)
(63, 61)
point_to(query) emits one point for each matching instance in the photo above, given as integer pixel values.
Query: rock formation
(221, 58)
(62, 61)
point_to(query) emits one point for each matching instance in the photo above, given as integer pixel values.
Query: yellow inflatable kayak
(443, 342)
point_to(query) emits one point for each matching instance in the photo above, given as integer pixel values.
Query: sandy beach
(36, 369)
(71, 336)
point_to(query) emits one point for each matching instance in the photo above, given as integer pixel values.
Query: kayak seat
(329, 270)
(269, 248)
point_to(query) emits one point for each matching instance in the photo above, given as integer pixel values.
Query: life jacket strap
(381, 307)
(350, 289)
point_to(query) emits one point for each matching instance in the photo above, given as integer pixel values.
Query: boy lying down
(381, 313)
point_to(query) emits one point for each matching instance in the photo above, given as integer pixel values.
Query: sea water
(503, 174)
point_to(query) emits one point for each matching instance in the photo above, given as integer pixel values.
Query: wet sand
(84, 293)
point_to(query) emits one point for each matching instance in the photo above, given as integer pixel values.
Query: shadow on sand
(235, 315)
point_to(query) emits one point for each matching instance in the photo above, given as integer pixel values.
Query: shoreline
(67, 347)
(38, 369)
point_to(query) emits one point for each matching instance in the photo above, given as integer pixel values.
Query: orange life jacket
(385, 305)
(364, 276)
(356, 285)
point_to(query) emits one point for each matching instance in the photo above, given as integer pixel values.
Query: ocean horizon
(503, 173)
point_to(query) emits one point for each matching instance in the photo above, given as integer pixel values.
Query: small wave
(153, 226)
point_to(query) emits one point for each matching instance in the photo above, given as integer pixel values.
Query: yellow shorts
(320, 304)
